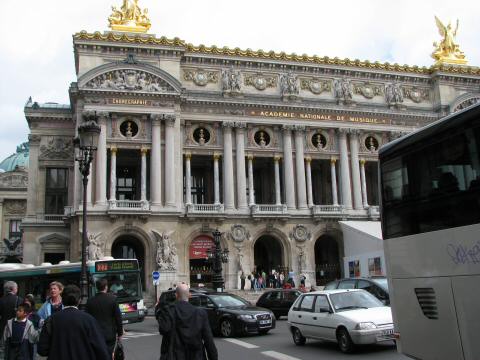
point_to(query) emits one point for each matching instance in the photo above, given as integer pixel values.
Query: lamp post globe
(86, 143)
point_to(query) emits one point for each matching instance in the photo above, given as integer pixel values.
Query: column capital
(188, 155)
(241, 125)
(156, 118)
(228, 125)
(103, 115)
(308, 159)
(144, 151)
(34, 139)
(333, 160)
(353, 131)
(250, 156)
(169, 120)
(217, 156)
(343, 131)
(362, 162)
(299, 128)
(277, 158)
(287, 128)
(113, 150)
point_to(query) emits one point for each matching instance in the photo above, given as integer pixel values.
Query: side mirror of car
(326, 310)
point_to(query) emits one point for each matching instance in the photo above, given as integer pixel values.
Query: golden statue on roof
(448, 51)
(129, 18)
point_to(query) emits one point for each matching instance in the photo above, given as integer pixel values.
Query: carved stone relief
(231, 82)
(260, 81)
(315, 86)
(57, 147)
(300, 233)
(417, 95)
(368, 90)
(129, 80)
(342, 90)
(201, 77)
(466, 103)
(239, 233)
(166, 256)
(95, 246)
(393, 94)
(15, 207)
(289, 86)
(13, 180)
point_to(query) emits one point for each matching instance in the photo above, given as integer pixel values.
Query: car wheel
(345, 342)
(226, 328)
(298, 338)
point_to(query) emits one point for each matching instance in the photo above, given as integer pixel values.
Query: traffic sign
(156, 278)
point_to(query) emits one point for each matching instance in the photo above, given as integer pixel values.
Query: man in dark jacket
(104, 308)
(71, 334)
(8, 307)
(185, 330)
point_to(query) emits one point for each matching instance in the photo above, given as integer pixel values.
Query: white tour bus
(430, 208)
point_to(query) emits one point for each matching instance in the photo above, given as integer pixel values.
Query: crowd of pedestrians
(261, 280)
(59, 330)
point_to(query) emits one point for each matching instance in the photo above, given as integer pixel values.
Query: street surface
(142, 342)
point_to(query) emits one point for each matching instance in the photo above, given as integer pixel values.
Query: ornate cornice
(271, 55)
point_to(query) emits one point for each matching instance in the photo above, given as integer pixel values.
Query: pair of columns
(155, 164)
(188, 179)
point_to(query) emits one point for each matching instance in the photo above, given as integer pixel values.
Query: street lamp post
(86, 142)
(217, 257)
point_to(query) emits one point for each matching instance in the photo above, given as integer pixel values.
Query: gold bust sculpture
(129, 18)
(448, 51)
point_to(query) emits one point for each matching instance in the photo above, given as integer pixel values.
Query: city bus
(430, 214)
(123, 276)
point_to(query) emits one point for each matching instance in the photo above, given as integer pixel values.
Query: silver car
(347, 316)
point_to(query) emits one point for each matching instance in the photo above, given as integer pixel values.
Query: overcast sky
(36, 56)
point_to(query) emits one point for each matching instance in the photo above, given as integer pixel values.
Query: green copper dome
(20, 158)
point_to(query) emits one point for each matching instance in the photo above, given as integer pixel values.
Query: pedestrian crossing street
(136, 335)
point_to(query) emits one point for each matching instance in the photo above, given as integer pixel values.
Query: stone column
(364, 183)
(308, 170)
(278, 197)
(143, 175)
(170, 161)
(300, 167)
(101, 162)
(1, 219)
(240, 157)
(344, 170)
(113, 173)
(357, 190)
(228, 191)
(288, 167)
(188, 179)
(216, 179)
(333, 174)
(156, 162)
(251, 190)
(34, 144)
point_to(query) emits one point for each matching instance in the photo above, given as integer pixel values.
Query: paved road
(142, 342)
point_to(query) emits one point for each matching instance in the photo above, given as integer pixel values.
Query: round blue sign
(155, 275)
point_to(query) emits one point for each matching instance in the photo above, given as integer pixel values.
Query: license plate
(387, 332)
(265, 322)
(124, 321)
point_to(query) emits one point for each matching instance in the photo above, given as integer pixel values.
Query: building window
(54, 258)
(15, 232)
(56, 190)
(354, 268)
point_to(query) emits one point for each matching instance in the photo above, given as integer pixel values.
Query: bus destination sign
(116, 265)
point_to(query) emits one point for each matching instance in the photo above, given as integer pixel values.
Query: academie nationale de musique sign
(318, 116)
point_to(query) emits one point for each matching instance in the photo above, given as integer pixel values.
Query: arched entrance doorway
(129, 247)
(327, 259)
(200, 267)
(268, 255)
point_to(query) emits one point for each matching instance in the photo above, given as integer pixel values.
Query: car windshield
(383, 283)
(228, 300)
(351, 300)
(123, 285)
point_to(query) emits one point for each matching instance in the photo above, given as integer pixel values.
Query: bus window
(122, 285)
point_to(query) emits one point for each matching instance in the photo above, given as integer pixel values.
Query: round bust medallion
(262, 138)
(201, 135)
(319, 141)
(129, 128)
(371, 143)
(260, 83)
(316, 87)
(200, 78)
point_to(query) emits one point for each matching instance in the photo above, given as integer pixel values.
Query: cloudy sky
(36, 57)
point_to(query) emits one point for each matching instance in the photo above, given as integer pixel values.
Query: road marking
(242, 343)
(279, 356)
(134, 335)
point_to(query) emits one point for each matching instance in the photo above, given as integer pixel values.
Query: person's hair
(182, 292)
(25, 307)
(9, 287)
(57, 284)
(71, 295)
(30, 301)
(101, 284)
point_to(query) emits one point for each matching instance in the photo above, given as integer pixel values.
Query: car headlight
(365, 326)
(245, 317)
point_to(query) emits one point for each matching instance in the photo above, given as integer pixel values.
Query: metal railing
(53, 217)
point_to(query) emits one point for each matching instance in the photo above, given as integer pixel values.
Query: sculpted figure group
(127, 80)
